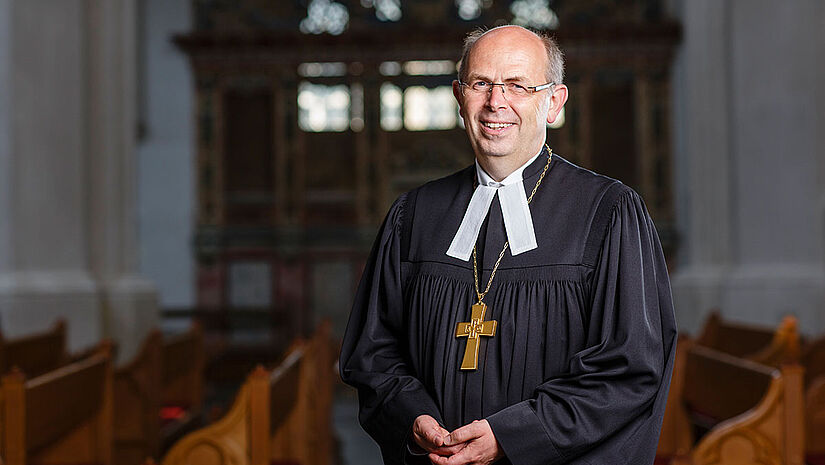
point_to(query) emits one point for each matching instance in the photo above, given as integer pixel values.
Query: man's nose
(496, 97)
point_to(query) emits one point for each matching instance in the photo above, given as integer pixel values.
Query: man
(536, 329)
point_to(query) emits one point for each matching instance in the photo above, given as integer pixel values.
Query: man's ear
(457, 93)
(557, 101)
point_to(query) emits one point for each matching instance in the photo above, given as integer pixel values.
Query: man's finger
(449, 450)
(436, 459)
(465, 456)
(428, 433)
(434, 437)
(465, 433)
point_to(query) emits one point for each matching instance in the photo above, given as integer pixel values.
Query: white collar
(518, 222)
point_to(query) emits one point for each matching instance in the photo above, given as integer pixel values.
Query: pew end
(79, 431)
(242, 434)
(280, 417)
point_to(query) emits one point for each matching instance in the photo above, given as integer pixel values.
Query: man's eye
(479, 85)
(518, 88)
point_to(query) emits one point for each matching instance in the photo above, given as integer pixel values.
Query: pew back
(183, 364)
(61, 417)
(35, 354)
(721, 386)
(760, 344)
(137, 404)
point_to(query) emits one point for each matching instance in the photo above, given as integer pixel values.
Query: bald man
(517, 311)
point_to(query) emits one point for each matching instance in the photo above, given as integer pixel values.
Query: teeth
(496, 125)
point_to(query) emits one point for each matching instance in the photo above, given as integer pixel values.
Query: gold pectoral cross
(473, 330)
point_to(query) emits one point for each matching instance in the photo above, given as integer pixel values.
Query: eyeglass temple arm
(543, 86)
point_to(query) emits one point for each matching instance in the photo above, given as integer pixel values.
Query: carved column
(68, 245)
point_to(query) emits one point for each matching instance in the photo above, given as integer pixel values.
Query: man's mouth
(493, 125)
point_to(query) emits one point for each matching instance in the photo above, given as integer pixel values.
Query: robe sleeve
(373, 355)
(615, 379)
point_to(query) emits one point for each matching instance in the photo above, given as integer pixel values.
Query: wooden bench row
(741, 411)
(716, 378)
(138, 390)
(158, 395)
(279, 417)
(72, 415)
(63, 416)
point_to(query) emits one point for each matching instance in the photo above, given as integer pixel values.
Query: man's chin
(495, 150)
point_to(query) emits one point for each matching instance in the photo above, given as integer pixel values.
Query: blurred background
(230, 161)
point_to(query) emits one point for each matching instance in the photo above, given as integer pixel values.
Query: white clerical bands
(518, 223)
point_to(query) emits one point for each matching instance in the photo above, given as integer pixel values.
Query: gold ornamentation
(477, 326)
(473, 330)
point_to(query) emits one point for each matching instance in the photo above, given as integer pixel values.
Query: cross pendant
(473, 330)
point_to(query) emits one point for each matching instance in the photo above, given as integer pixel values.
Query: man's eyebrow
(516, 79)
(481, 77)
(476, 76)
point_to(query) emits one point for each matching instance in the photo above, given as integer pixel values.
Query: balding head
(555, 60)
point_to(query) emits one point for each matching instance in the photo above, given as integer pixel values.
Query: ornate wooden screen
(286, 214)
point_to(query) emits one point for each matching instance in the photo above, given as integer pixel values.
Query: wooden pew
(676, 437)
(182, 385)
(322, 356)
(268, 404)
(36, 353)
(307, 436)
(754, 412)
(60, 417)
(760, 344)
(137, 387)
(282, 417)
(813, 359)
(781, 344)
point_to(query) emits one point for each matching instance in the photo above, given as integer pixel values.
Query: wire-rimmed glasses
(515, 89)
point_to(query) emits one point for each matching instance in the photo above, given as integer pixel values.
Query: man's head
(501, 123)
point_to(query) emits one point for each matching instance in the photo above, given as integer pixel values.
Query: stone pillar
(748, 152)
(66, 143)
(44, 270)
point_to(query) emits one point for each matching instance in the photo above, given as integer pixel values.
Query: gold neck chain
(480, 294)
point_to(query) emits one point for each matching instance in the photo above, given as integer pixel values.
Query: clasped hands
(472, 444)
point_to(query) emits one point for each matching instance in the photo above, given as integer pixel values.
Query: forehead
(506, 53)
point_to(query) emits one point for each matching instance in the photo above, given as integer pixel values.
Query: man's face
(500, 124)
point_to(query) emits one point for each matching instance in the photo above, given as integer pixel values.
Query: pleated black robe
(579, 368)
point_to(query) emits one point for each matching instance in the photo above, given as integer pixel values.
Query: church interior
(190, 189)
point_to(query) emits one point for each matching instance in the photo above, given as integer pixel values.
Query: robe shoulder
(570, 210)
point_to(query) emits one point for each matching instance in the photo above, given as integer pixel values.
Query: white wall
(167, 157)
(749, 147)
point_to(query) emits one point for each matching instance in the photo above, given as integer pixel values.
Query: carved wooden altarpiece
(286, 216)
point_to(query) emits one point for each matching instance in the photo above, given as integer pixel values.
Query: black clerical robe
(579, 368)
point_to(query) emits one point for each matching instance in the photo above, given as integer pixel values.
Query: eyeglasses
(509, 88)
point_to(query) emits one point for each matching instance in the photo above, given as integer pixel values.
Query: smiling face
(500, 125)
